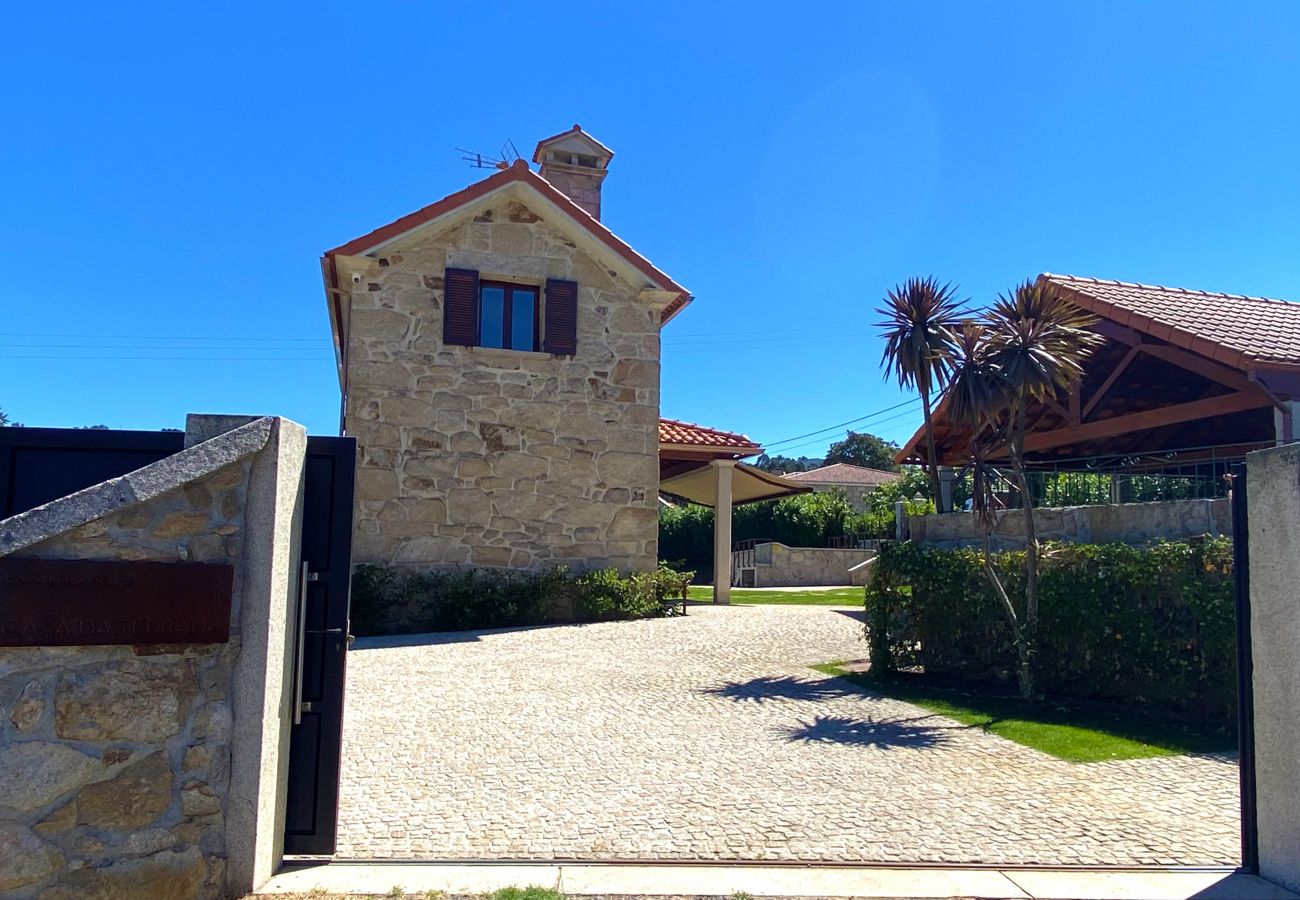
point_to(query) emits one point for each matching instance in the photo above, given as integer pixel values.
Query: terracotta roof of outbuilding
(1232, 329)
(845, 473)
(672, 431)
(520, 172)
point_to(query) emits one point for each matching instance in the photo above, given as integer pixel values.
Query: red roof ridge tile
(1087, 279)
(849, 473)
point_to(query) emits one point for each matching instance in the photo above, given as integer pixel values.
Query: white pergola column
(1286, 423)
(722, 470)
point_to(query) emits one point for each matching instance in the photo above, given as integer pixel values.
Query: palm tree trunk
(931, 453)
(1023, 674)
(1029, 629)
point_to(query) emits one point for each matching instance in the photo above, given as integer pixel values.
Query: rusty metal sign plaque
(72, 602)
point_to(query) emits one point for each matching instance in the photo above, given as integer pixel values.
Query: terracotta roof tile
(1234, 329)
(519, 172)
(672, 431)
(845, 473)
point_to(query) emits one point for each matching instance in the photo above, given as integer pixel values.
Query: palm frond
(1038, 340)
(917, 324)
(976, 391)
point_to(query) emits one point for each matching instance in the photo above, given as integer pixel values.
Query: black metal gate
(38, 465)
(1245, 671)
(321, 631)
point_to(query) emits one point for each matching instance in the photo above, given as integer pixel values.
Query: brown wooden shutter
(460, 307)
(561, 317)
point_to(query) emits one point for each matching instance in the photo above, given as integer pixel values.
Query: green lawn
(840, 596)
(1074, 731)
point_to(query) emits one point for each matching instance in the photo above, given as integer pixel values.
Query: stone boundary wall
(1273, 512)
(119, 763)
(776, 565)
(1122, 523)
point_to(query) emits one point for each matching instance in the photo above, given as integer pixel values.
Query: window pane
(491, 322)
(523, 306)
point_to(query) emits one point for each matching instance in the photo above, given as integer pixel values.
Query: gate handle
(302, 640)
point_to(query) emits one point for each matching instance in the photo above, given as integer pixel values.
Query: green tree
(1029, 345)
(4, 419)
(861, 449)
(920, 318)
(779, 464)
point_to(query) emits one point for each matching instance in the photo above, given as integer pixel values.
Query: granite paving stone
(708, 737)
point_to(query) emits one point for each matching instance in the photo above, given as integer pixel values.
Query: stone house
(854, 482)
(498, 355)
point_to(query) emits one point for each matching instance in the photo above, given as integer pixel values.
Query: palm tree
(1030, 345)
(977, 396)
(920, 317)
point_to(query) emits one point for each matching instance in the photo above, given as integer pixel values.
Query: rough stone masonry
(116, 760)
(482, 457)
(157, 770)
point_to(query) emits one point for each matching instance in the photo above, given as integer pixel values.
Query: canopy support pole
(722, 470)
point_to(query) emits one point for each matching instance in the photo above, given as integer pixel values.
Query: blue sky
(172, 174)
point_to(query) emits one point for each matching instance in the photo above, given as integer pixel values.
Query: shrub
(1136, 625)
(395, 601)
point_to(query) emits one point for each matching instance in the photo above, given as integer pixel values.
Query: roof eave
(519, 173)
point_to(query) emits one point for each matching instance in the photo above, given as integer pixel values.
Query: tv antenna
(506, 157)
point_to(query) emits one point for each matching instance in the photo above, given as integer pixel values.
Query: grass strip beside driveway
(1069, 730)
(839, 596)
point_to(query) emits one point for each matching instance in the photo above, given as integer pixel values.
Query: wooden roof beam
(1185, 359)
(1148, 419)
(1108, 383)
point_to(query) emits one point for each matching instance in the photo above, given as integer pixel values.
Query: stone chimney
(576, 163)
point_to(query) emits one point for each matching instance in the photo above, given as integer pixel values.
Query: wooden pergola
(1182, 376)
(703, 465)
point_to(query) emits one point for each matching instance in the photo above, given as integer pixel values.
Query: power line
(309, 359)
(830, 428)
(225, 349)
(160, 337)
(729, 331)
(785, 451)
(774, 339)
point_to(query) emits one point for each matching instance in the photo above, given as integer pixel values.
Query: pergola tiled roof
(1233, 329)
(688, 434)
(1182, 375)
(845, 473)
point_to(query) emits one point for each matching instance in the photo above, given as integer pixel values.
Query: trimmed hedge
(399, 601)
(1153, 626)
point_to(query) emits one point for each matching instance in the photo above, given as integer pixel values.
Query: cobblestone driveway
(707, 737)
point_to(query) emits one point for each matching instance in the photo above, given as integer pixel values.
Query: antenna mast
(476, 160)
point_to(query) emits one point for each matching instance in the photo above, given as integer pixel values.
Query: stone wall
(1273, 482)
(776, 565)
(479, 457)
(116, 760)
(139, 771)
(1124, 523)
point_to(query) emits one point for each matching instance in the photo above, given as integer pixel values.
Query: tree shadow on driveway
(785, 687)
(887, 734)
(866, 731)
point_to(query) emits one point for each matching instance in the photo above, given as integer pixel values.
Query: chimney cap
(574, 140)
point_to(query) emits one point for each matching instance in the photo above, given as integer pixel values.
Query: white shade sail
(748, 485)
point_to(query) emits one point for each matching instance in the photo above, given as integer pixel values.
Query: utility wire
(785, 451)
(829, 428)
(310, 359)
(160, 337)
